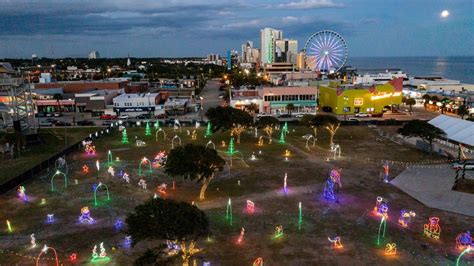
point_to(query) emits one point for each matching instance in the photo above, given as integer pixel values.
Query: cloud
(309, 4)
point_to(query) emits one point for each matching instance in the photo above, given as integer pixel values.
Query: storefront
(51, 106)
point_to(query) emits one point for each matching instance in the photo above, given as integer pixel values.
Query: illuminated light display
(278, 231)
(391, 249)
(85, 169)
(73, 258)
(385, 95)
(335, 242)
(405, 218)
(250, 206)
(9, 226)
(126, 177)
(144, 161)
(258, 262)
(285, 185)
(85, 217)
(241, 236)
(156, 125)
(464, 240)
(110, 158)
(300, 216)
(208, 130)
(223, 144)
(111, 171)
(253, 157)
(97, 188)
(194, 135)
(174, 185)
(178, 139)
(160, 159)
(383, 224)
(282, 137)
(128, 240)
(97, 165)
(386, 170)
(467, 250)
(147, 129)
(231, 149)
(124, 136)
(90, 149)
(260, 141)
(381, 208)
(285, 129)
(58, 173)
(142, 183)
(188, 252)
(173, 247)
(33, 240)
(432, 229)
(228, 212)
(50, 218)
(99, 257)
(287, 153)
(333, 183)
(44, 250)
(21, 192)
(118, 224)
(161, 189)
(43, 201)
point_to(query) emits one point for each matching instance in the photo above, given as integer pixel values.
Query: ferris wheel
(326, 51)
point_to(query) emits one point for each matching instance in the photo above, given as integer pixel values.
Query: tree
(423, 130)
(237, 129)
(404, 99)
(329, 122)
(164, 219)
(290, 108)
(253, 109)
(410, 102)
(225, 118)
(58, 97)
(427, 98)
(268, 123)
(194, 162)
(463, 110)
(308, 120)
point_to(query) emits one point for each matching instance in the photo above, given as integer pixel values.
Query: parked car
(299, 115)
(85, 123)
(45, 123)
(123, 117)
(353, 119)
(107, 123)
(143, 116)
(161, 116)
(57, 114)
(108, 117)
(377, 115)
(362, 115)
(63, 124)
(284, 116)
(49, 115)
(51, 120)
(41, 114)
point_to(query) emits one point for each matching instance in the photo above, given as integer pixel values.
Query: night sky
(178, 28)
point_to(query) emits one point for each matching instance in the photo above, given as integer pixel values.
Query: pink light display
(250, 206)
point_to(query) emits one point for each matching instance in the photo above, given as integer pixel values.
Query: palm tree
(462, 111)
(290, 107)
(427, 98)
(57, 97)
(253, 109)
(410, 102)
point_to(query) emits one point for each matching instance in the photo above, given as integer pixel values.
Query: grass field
(261, 181)
(54, 141)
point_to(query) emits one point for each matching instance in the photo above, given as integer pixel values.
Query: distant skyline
(184, 28)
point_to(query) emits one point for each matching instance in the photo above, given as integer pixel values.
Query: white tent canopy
(456, 129)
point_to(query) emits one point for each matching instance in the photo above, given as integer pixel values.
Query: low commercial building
(135, 104)
(276, 99)
(85, 86)
(95, 101)
(352, 99)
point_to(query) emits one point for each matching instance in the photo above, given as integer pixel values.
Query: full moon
(445, 14)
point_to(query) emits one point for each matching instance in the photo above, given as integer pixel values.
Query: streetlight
(345, 106)
(202, 107)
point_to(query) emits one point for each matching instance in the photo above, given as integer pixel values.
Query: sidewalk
(431, 185)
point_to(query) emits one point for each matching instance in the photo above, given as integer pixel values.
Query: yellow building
(350, 99)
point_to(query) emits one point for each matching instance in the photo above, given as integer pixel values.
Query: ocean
(457, 68)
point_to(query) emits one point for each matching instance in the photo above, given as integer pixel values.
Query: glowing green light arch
(142, 162)
(95, 192)
(55, 174)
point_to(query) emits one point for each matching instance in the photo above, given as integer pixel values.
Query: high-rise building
(300, 61)
(267, 44)
(249, 53)
(286, 51)
(94, 55)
